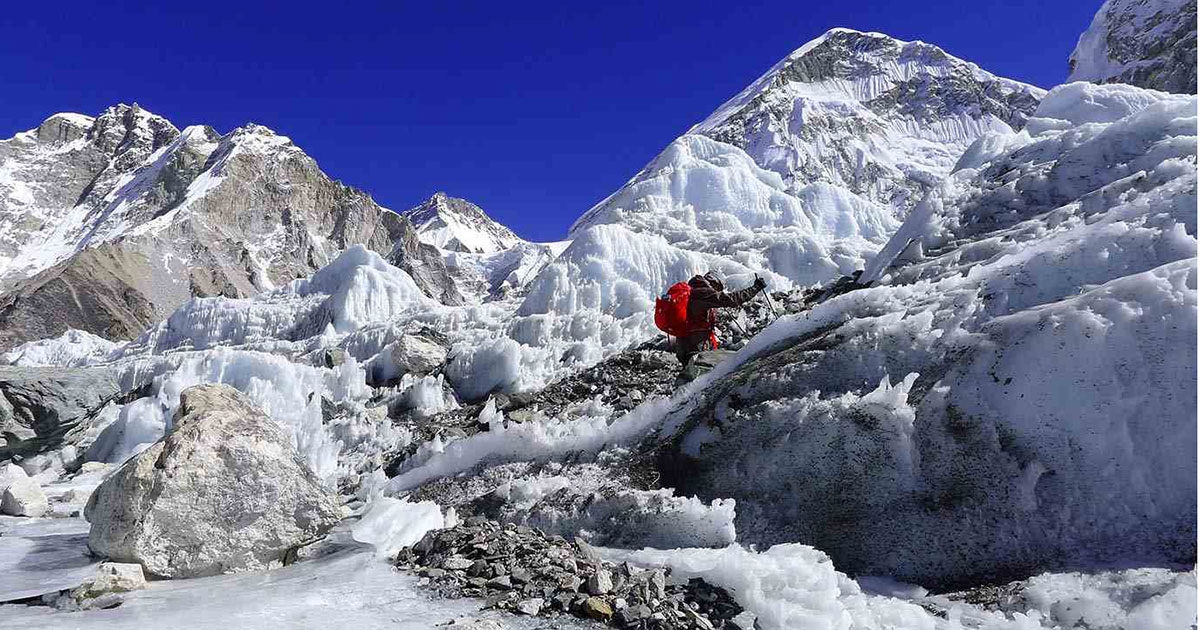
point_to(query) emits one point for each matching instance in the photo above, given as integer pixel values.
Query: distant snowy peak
(458, 225)
(803, 175)
(882, 117)
(1147, 43)
(136, 217)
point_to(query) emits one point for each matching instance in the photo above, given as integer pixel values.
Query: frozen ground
(350, 588)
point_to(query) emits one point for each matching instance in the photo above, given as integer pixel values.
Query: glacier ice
(1046, 299)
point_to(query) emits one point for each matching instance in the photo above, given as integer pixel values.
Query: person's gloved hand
(759, 284)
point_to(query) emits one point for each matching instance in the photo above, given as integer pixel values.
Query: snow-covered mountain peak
(1147, 43)
(803, 175)
(882, 117)
(455, 224)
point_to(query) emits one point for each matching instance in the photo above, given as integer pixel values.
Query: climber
(687, 312)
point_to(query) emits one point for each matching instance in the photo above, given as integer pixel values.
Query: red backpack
(671, 313)
(670, 310)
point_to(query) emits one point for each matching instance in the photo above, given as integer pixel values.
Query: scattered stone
(632, 614)
(600, 583)
(24, 497)
(524, 571)
(103, 602)
(456, 563)
(569, 582)
(414, 354)
(502, 581)
(521, 576)
(597, 608)
(531, 606)
(227, 467)
(467, 623)
(110, 577)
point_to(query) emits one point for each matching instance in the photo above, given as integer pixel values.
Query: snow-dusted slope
(1016, 392)
(107, 224)
(1148, 43)
(458, 225)
(69, 181)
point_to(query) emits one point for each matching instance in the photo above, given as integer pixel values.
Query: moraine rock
(552, 571)
(110, 577)
(415, 354)
(24, 497)
(227, 468)
(40, 406)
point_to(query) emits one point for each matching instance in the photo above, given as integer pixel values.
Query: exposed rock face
(39, 406)
(422, 261)
(458, 225)
(224, 491)
(1147, 43)
(108, 224)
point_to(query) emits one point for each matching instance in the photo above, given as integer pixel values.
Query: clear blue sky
(535, 111)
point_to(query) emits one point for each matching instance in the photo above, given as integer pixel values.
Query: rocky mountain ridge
(1147, 43)
(110, 223)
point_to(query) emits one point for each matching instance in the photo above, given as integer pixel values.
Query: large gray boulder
(415, 354)
(40, 406)
(224, 491)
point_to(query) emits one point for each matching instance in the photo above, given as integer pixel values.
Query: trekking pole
(770, 305)
(737, 325)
